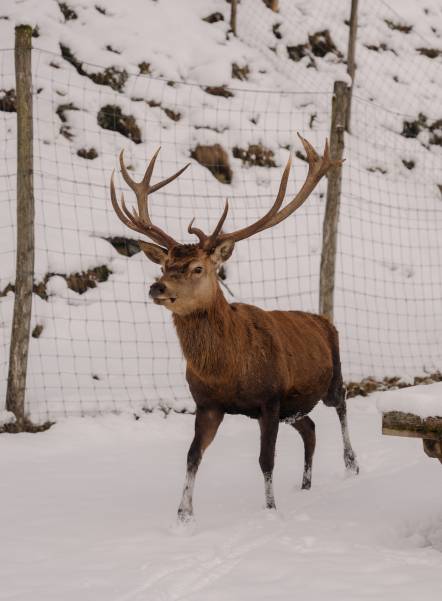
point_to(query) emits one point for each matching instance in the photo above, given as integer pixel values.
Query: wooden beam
(331, 215)
(396, 423)
(21, 322)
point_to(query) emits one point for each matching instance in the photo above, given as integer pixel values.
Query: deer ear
(155, 253)
(223, 251)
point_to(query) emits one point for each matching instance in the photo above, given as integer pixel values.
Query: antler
(317, 168)
(139, 221)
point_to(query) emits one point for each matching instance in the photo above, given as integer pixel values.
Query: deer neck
(206, 336)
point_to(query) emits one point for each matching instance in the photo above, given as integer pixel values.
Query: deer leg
(306, 428)
(349, 455)
(207, 422)
(269, 423)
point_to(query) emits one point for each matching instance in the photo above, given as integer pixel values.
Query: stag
(273, 366)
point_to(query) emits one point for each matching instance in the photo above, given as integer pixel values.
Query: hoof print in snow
(216, 160)
(241, 73)
(112, 117)
(69, 13)
(222, 91)
(255, 155)
(87, 153)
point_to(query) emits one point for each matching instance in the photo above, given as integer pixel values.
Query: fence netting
(98, 344)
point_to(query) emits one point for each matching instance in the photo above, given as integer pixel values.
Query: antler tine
(261, 224)
(211, 240)
(140, 221)
(128, 219)
(317, 168)
(169, 179)
(118, 210)
(197, 232)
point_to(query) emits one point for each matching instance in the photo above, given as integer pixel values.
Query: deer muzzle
(160, 295)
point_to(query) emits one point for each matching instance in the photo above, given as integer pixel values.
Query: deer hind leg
(349, 455)
(269, 424)
(207, 422)
(336, 397)
(306, 428)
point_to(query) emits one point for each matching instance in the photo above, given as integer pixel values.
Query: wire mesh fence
(98, 344)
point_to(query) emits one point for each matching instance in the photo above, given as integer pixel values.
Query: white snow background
(110, 348)
(88, 506)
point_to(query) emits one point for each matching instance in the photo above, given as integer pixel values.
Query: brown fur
(269, 365)
(239, 356)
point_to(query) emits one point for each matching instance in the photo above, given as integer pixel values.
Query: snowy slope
(109, 348)
(89, 507)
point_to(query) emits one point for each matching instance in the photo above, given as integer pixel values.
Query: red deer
(273, 366)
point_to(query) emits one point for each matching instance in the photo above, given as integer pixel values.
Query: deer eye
(198, 269)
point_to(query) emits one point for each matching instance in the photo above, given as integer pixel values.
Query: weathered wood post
(351, 54)
(18, 355)
(331, 216)
(233, 13)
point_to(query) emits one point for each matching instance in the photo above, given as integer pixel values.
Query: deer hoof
(351, 465)
(185, 516)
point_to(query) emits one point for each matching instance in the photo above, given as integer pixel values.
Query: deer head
(189, 279)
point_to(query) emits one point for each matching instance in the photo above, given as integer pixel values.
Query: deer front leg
(306, 428)
(269, 424)
(207, 422)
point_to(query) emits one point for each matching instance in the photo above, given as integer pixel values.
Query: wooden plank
(331, 216)
(351, 56)
(233, 15)
(21, 323)
(397, 423)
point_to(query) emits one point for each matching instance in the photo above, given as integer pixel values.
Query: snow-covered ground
(424, 401)
(88, 511)
(110, 348)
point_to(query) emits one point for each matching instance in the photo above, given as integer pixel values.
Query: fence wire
(98, 344)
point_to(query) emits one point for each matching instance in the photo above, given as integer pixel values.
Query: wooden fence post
(18, 354)
(331, 216)
(351, 53)
(233, 13)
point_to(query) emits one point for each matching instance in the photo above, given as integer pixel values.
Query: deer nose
(157, 289)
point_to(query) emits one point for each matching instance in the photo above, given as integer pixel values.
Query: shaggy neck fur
(205, 335)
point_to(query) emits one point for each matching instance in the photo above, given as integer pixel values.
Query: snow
(424, 401)
(389, 280)
(88, 510)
